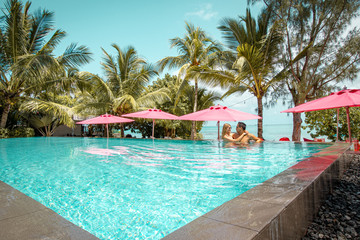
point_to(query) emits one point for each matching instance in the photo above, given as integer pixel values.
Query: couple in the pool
(241, 135)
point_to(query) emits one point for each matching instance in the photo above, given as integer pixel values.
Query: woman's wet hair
(226, 125)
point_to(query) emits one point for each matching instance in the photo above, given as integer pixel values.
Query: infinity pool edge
(280, 208)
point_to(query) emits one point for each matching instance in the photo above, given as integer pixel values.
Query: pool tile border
(279, 208)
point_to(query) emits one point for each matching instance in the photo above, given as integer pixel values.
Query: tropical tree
(254, 48)
(51, 104)
(320, 49)
(195, 49)
(27, 58)
(324, 123)
(180, 105)
(123, 90)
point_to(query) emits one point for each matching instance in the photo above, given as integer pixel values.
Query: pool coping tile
(245, 213)
(207, 228)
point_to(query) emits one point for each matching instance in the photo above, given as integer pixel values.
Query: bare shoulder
(235, 135)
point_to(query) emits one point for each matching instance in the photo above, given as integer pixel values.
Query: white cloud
(205, 12)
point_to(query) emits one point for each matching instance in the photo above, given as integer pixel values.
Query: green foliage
(123, 90)
(321, 47)
(252, 61)
(324, 122)
(28, 64)
(178, 104)
(196, 50)
(22, 132)
(4, 133)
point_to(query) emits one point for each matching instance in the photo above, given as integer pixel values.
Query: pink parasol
(105, 119)
(344, 98)
(219, 113)
(152, 114)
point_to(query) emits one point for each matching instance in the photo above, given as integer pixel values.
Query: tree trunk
(122, 130)
(193, 132)
(296, 136)
(5, 114)
(260, 121)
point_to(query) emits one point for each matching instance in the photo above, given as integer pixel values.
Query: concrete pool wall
(280, 208)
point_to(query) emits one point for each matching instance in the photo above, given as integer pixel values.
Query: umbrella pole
(337, 126)
(153, 128)
(218, 123)
(348, 122)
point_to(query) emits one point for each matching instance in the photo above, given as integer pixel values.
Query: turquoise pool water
(139, 188)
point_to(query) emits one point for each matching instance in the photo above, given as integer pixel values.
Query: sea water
(271, 132)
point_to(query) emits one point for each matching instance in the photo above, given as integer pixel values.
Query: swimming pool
(135, 188)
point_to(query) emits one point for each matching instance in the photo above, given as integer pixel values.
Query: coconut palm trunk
(260, 121)
(193, 132)
(5, 114)
(122, 130)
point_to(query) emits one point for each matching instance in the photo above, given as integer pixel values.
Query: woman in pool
(227, 134)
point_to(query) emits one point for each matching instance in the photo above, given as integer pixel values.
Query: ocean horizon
(271, 132)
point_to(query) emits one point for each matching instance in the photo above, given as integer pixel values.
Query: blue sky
(148, 26)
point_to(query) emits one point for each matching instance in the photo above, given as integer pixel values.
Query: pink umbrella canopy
(219, 113)
(152, 114)
(344, 98)
(105, 119)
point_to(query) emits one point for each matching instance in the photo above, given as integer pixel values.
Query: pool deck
(279, 208)
(21, 217)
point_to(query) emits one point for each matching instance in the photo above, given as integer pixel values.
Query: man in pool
(240, 129)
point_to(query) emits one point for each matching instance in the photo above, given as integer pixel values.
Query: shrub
(29, 132)
(22, 132)
(4, 133)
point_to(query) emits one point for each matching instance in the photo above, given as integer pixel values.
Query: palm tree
(26, 53)
(180, 105)
(124, 89)
(254, 61)
(195, 49)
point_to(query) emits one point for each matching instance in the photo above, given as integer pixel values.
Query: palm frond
(234, 89)
(213, 78)
(75, 56)
(42, 24)
(63, 113)
(155, 97)
(171, 62)
(233, 32)
(50, 45)
(100, 86)
(125, 103)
